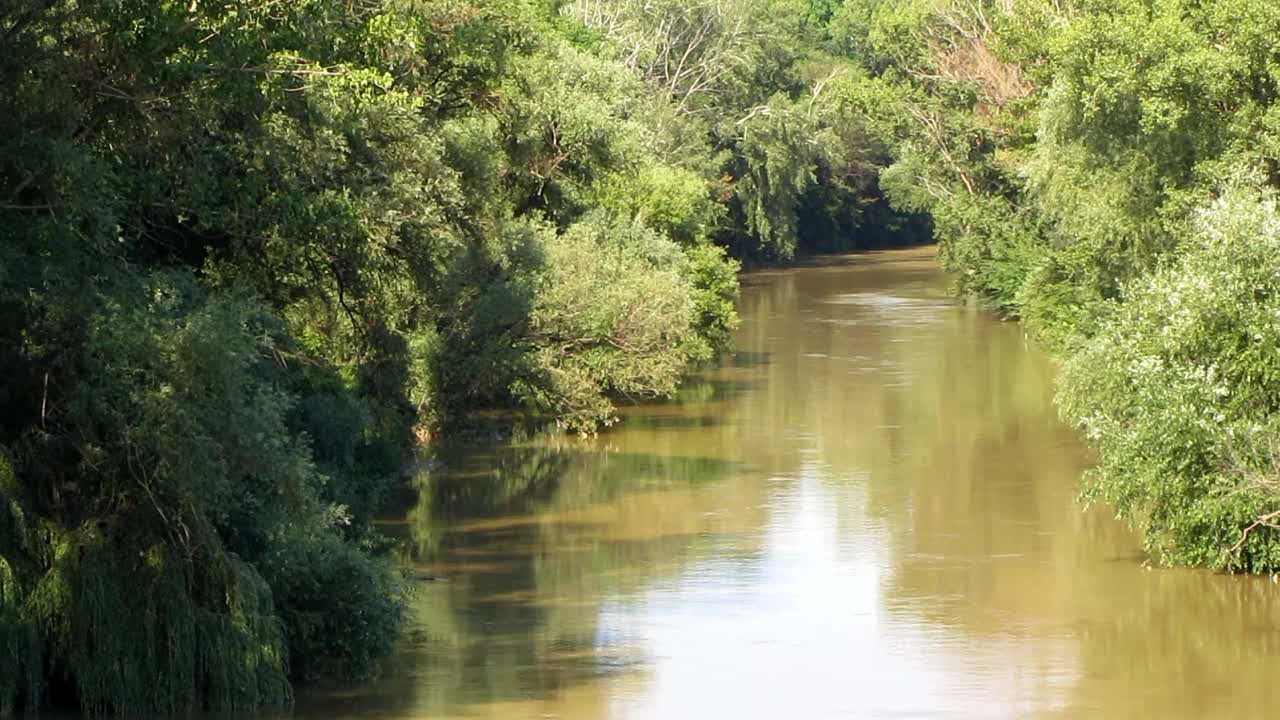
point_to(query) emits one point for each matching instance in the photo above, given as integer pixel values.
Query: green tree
(1180, 390)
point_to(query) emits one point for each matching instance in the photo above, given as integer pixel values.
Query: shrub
(341, 609)
(612, 315)
(1180, 391)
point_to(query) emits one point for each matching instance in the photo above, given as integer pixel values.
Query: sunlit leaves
(1180, 391)
(611, 310)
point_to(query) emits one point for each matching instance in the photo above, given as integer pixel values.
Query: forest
(255, 252)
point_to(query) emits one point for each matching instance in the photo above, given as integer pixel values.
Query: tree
(1180, 389)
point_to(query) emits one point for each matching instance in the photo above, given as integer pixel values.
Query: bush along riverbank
(1107, 172)
(252, 250)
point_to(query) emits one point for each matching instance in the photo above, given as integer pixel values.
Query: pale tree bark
(686, 48)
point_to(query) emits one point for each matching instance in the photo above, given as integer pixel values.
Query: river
(868, 511)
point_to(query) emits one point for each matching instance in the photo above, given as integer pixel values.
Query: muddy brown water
(868, 511)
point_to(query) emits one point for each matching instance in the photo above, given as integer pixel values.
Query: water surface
(868, 511)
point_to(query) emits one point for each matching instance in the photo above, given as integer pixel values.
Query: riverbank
(1127, 217)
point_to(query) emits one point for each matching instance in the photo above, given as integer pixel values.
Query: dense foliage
(1180, 390)
(251, 250)
(1105, 171)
